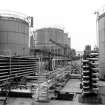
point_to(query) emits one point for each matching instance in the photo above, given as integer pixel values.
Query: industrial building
(101, 40)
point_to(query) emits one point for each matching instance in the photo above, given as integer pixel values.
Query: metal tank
(60, 36)
(14, 35)
(101, 33)
(45, 34)
(40, 38)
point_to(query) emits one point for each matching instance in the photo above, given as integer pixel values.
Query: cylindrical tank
(101, 32)
(45, 34)
(59, 36)
(14, 35)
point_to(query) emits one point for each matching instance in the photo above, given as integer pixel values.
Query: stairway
(41, 89)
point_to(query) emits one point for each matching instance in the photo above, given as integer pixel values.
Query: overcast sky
(75, 16)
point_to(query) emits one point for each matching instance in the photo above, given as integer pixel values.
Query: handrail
(13, 14)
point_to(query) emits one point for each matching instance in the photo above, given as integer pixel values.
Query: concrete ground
(72, 86)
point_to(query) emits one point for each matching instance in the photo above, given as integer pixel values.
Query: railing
(13, 14)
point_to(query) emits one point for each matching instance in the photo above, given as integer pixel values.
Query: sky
(76, 17)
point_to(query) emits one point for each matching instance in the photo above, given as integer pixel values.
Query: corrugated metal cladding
(101, 32)
(14, 36)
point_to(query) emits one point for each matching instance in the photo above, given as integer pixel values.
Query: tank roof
(8, 15)
(14, 19)
(52, 28)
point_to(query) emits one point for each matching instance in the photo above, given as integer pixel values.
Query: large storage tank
(101, 32)
(44, 35)
(60, 36)
(14, 35)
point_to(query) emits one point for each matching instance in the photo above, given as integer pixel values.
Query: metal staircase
(41, 89)
(90, 73)
(90, 77)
